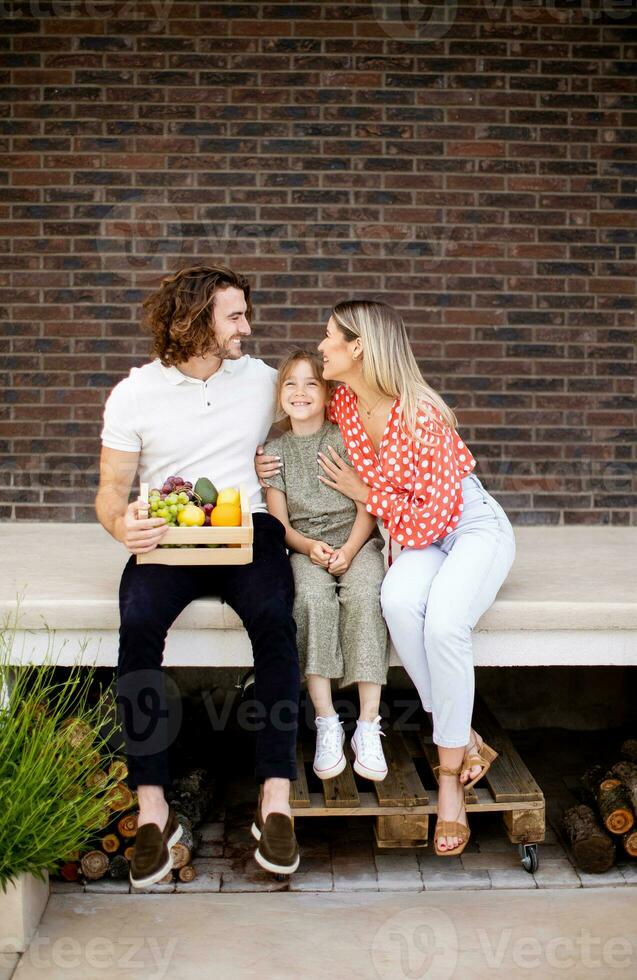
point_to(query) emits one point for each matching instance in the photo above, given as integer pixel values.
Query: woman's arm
(417, 512)
(317, 551)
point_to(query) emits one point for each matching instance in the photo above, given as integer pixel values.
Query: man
(199, 408)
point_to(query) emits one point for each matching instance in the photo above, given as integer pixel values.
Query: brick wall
(472, 163)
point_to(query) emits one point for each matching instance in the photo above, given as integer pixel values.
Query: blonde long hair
(388, 360)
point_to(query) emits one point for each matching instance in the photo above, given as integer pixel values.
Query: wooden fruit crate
(235, 543)
(404, 801)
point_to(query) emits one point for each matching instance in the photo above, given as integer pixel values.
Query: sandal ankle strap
(447, 771)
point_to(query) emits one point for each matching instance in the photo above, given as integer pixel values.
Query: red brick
(374, 161)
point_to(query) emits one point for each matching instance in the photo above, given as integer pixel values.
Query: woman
(411, 469)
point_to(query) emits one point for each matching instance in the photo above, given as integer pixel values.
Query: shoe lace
(328, 734)
(370, 742)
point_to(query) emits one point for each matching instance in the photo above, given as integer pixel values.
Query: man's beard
(224, 351)
(231, 353)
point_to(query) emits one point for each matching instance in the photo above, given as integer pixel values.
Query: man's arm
(115, 514)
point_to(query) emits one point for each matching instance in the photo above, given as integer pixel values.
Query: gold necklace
(370, 411)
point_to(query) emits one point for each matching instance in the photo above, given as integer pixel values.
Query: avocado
(206, 491)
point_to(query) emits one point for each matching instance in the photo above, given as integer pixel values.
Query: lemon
(229, 496)
(191, 516)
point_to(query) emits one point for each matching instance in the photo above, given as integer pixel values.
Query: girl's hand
(339, 561)
(342, 477)
(266, 466)
(320, 553)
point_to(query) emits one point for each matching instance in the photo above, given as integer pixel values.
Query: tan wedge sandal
(482, 756)
(451, 828)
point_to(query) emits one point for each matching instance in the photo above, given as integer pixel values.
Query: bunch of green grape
(168, 505)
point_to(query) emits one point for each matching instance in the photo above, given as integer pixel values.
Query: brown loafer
(151, 857)
(278, 850)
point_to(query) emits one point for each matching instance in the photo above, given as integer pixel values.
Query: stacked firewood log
(111, 850)
(605, 822)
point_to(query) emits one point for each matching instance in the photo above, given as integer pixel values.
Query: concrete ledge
(231, 648)
(571, 598)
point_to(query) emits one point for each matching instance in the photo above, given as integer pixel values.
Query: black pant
(262, 593)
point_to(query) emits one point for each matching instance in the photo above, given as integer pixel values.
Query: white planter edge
(21, 908)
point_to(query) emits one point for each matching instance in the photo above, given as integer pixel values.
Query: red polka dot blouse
(414, 484)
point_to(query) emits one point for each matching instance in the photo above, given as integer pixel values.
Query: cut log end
(181, 855)
(94, 865)
(118, 868)
(70, 871)
(614, 807)
(118, 770)
(187, 873)
(630, 843)
(120, 797)
(97, 778)
(127, 825)
(110, 843)
(594, 856)
(627, 772)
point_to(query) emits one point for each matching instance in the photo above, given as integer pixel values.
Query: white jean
(433, 597)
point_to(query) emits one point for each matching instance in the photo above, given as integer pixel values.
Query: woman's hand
(266, 466)
(342, 477)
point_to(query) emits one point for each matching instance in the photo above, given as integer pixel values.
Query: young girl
(336, 556)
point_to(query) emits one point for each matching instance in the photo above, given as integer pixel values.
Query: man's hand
(139, 535)
(340, 561)
(319, 553)
(266, 466)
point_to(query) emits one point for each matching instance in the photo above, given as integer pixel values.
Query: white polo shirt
(185, 427)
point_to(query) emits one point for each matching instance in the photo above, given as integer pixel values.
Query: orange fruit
(226, 515)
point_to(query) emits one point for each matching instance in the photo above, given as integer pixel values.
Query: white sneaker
(369, 760)
(329, 758)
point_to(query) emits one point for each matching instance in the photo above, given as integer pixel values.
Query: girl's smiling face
(338, 354)
(303, 396)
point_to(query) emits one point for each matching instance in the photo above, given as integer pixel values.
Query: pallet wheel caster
(528, 857)
(245, 682)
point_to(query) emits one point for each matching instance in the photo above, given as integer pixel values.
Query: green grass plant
(53, 739)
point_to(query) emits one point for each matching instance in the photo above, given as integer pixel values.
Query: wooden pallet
(403, 802)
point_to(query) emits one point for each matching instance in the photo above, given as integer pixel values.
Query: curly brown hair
(180, 313)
